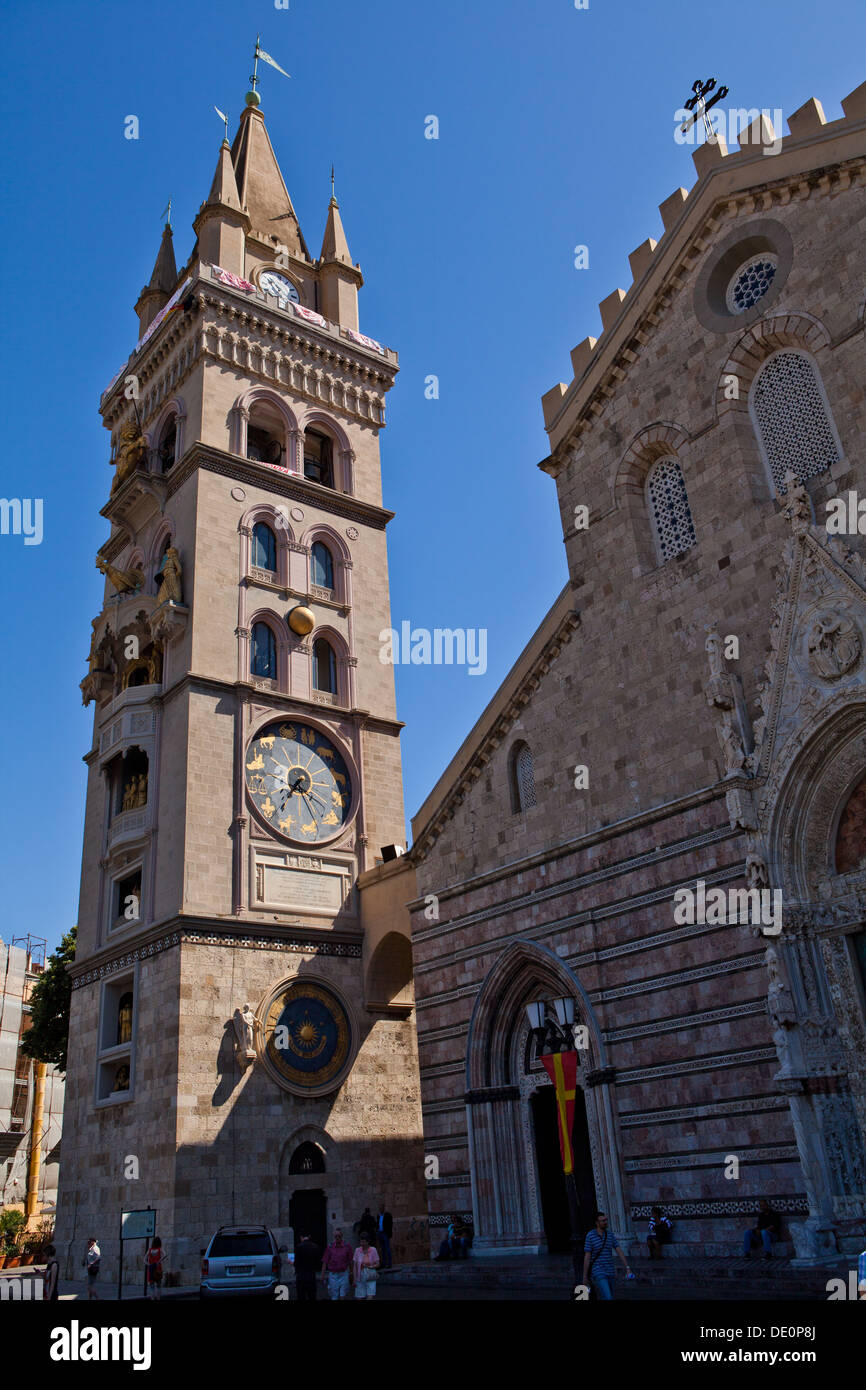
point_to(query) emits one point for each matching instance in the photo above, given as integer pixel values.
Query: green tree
(47, 1039)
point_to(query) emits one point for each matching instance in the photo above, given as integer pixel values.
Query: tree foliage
(48, 1036)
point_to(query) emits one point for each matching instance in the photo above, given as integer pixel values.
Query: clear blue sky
(556, 129)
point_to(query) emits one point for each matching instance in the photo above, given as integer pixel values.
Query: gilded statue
(171, 576)
(124, 581)
(131, 453)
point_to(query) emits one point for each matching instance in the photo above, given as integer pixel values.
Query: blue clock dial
(298, 782)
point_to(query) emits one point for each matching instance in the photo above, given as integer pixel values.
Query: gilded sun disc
(307, 1036)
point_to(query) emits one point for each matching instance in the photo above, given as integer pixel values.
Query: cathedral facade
(242, 1048)
(661, 815)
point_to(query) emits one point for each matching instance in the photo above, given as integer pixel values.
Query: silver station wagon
(241, 1260)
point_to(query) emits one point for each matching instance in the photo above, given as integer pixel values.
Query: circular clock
(298, 782)
(307, 1037)
(280, 285)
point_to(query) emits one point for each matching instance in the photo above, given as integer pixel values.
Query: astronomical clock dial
(307, 1037)
(280, 285)
(298, 782)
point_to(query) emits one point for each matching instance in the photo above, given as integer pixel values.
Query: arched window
(266, 434)
(522, 778)
(263, 652)
(668, 506)
(307, 1158)
(157, 578)
(124, 1018)
(318, 460)
(168, 446)
(264, 547)
(791, 418)
(324, 667)
(321, 566)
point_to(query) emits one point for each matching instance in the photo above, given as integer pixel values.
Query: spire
(161, 284)
(263, 194)
(164, 277)
(224, 188)
(335, 247)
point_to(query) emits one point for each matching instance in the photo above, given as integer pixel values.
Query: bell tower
(242, 1043)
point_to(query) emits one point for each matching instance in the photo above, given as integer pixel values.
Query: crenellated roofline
(817, 158)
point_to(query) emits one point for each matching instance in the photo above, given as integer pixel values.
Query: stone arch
(344, 455)
(389, 973)
(751, 350)
(663, 439)
(821, 773)
(498, 1092)
(175, 408)
(524, 971)
(292, 1182)
(239, 416)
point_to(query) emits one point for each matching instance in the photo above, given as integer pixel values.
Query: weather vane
(699, 106)
(224, 118)
(253, 97)
(166, 214)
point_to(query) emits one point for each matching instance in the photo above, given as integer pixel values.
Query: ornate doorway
(552, 1194)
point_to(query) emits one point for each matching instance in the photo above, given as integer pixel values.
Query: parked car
(241, 1260)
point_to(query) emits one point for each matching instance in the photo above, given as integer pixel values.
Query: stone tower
(242, 1042)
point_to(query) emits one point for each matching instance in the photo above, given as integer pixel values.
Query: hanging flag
(561, 1067)
(266, 58)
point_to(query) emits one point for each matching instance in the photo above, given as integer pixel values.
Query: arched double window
(263, 652)
(321, 566)
(318, 458)
(792, 419)
(522, 778)
(324, 667)
(669, 510)
(264, 547)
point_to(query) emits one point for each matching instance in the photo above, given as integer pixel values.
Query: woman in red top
(153, 1268)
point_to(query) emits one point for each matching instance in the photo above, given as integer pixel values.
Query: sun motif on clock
(298, 782)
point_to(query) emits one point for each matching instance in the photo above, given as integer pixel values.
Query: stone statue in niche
(134, 792)
(796, 509)
(244, 1021)
(781, 1010)
(757, 875)
(171, 577)
(719, 689)
(834, 645)
(733, 752)
(131, 453)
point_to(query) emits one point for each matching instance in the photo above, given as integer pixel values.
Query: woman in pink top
(365, 1263)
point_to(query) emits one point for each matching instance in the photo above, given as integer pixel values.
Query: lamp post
(555, 1033)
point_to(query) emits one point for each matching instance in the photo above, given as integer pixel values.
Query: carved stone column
(498, 1196)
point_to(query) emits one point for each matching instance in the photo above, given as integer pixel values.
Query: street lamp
(555, 1038)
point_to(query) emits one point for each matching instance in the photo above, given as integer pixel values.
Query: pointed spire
(335, 247)
(224, 188)
(263, 193)
(164, 277)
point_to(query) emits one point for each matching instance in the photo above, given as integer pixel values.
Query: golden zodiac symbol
(257, 764)
(268, 741)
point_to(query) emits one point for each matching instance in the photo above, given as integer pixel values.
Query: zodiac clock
(298, 782)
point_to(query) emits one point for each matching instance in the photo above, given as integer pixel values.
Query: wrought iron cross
(700, 106)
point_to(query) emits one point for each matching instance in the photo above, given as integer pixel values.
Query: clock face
(307, 1036)
(280, 285)
(298, 782)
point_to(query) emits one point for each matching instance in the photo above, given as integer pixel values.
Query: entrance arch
(309, 1180)
(502, 1074)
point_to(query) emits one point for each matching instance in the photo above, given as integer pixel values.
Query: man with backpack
(599, 1248)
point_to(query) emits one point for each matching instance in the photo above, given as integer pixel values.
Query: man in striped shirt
(599, 1248)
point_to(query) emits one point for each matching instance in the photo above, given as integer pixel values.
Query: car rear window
(234, 1244)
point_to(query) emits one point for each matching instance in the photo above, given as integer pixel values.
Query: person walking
(153, 1269)
(599, 1249)
(51, 1275)
(91, 1263)
(385, 1231)
(365, 1262)
(308, 1258)
(336, 1266)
